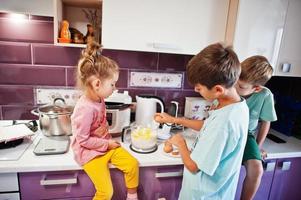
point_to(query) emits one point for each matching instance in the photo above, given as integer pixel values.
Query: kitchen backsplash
(28, 60)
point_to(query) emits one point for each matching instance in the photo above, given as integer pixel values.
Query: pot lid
(54, 109)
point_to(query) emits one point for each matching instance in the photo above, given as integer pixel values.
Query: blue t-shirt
(218, 152)
(261, 107)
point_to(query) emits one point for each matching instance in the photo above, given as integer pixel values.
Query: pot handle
(57, 99)
(35, 112)
(125, 130)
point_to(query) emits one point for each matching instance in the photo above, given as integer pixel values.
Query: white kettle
(146, 108)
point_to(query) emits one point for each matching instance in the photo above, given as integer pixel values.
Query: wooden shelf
(71, 45)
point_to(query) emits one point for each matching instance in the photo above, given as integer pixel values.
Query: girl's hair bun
(92, 63)
(92, 51)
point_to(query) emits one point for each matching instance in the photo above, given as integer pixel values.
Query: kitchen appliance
(55, 119)
(52, 145)
(146, 108)
(118, 107)
(164, 132)
(14, 147)
(13, 135)
(141, 139)
(196, 108)
(55, 124)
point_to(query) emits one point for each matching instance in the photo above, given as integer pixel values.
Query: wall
(28, 59)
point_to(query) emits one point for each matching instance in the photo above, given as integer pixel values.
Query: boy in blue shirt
(255, 73)
(213, 164)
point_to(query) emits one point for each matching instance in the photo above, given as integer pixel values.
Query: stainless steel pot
(54, 119)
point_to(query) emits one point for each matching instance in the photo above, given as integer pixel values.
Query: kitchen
(29, 61)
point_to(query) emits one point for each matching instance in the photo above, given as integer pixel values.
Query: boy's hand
(113, 144)
(264, 154)
(102, 130)
(164, 118)
(177, 140)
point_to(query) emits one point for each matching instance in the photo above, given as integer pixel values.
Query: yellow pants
(98, 171)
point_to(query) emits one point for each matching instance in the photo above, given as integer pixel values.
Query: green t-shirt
(261, 107)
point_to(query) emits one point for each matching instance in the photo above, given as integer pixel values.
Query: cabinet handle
(286, 166)
(169, 174)
(165, 46)
(66, 181)
(270, 166)
(286, 67)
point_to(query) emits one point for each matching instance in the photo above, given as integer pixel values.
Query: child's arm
(262, 133)
(81, 124)
(190, 123)
(179, 141)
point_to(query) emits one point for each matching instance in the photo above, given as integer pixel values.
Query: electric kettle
(146, 108)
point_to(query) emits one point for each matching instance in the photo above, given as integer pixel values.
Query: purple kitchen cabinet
(65, 185)
(159, 182)
(287, 179)
(55, 185)
(266, 181)
(120, 191)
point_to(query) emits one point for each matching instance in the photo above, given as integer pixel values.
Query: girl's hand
(113, 144)
(102, 130)
(177, 140)
(164, 118)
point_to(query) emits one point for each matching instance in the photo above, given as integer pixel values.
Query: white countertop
(29, 162)
(290, 149)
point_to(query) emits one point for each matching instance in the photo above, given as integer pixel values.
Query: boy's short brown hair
(256, 70)
(214, 65)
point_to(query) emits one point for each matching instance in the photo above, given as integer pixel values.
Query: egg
(167, 147)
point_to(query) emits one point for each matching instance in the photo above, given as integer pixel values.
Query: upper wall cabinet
(259, 28)
(33, 7)
(289, 62)
(84, 18)
(170, 26)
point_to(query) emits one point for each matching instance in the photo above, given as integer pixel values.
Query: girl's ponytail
(91, 63)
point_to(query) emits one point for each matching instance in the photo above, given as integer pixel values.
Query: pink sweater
(86, 118)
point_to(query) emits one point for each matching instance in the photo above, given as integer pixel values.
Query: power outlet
(161, 80)
(47, 95)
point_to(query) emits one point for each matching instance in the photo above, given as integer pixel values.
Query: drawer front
(50, 185)
(9, 182)
(160, 182)
(10, 196)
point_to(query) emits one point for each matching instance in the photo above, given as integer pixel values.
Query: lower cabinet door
(55, 185)
(119, 187)
(287, 179)
(263, 191)
(160, 182)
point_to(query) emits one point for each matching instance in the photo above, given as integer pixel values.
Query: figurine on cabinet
(65, 35)
(94, 17)
(90, 34)
(76, 36)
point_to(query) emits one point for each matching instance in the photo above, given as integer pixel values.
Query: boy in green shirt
(256, 71)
